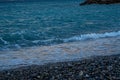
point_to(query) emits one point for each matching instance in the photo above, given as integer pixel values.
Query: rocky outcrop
(100, 2)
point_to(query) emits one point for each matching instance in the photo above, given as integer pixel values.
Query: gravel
(94, 68)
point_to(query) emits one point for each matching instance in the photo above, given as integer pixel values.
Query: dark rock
(100, 2)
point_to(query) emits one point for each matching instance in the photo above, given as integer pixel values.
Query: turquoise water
(71, 32)
(47, 23)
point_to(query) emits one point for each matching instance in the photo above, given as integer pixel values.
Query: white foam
(92, 36)
(17, 46)
(5, 42)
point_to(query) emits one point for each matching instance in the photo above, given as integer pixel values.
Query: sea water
(48, 31)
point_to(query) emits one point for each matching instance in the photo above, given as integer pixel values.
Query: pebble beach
(94, 68)
(59, 40)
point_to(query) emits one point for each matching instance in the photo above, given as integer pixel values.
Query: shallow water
(58, 53)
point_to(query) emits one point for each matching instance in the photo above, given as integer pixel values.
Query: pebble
(81, 73)
(97, 68)
(86, 75)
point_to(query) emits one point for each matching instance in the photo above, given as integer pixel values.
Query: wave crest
(92, 36)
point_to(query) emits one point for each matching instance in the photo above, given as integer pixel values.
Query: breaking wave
(53, 41)
(92, 36)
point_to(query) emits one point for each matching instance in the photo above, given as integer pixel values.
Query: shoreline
(100, 67)
(59, 53)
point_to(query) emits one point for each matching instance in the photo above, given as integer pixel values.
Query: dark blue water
(47, 23)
